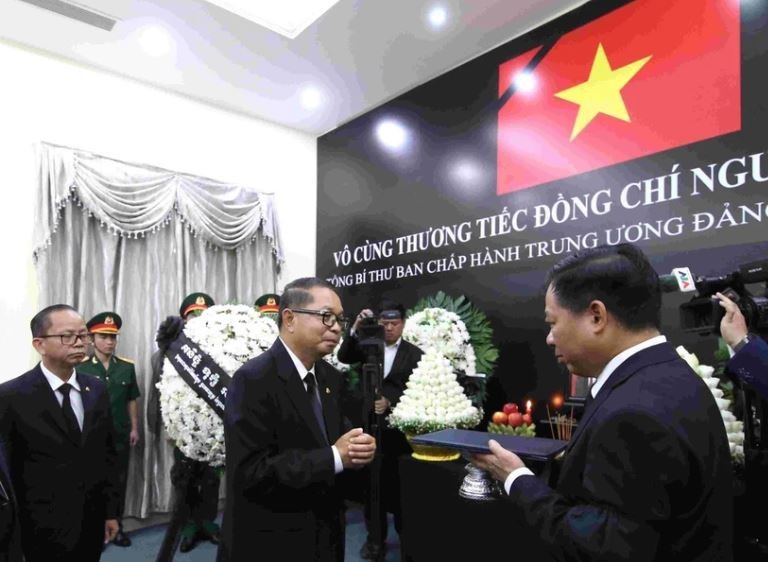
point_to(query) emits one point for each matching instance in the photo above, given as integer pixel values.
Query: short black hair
(41, 321)
(296, 294)
(389, 304)
(619, 276)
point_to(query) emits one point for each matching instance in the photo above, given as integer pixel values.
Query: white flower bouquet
(433, 399)
(733, 427)
(230, 335)
(444, 332)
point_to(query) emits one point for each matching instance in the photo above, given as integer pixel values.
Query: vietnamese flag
(647, 77)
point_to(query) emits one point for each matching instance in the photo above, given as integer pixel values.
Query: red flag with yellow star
(647, 77)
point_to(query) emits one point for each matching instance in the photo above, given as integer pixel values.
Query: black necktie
(69, 413)
(314, 399)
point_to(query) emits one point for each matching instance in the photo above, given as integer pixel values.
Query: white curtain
(136, 240)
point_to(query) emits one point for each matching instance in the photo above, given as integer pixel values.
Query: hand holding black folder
(530, 448)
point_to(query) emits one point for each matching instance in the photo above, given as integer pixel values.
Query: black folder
(530, 448)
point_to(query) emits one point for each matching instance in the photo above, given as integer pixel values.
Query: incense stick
(549, 417)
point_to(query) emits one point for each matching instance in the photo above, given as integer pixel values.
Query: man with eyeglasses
(119, 375)
(58, 433)
(400, 359)
(288, 445)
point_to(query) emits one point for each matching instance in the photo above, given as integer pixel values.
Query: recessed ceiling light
(311, 98)
(286, 17)
(437, 17)
(155, 41)
(466, 171)
(524, 82)
(391, 134)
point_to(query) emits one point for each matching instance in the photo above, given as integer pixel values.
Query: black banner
(200, 372)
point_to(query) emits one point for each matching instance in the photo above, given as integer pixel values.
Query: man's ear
(598, 315)
(37, 343)
(288, 319)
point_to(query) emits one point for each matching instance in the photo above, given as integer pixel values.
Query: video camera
(370, 332)
(702, 314)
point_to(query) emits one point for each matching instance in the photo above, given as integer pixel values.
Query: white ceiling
(360, 54)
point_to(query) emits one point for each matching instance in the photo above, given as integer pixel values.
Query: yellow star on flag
(601, 93)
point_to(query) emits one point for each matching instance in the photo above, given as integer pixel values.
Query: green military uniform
(120, 378)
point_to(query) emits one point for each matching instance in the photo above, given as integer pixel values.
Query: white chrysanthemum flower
(230, 335)
(444, 331)
(433, 399)
(733, 427)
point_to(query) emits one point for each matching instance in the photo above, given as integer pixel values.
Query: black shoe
(372, 551)
(121, 539)
(187, 544)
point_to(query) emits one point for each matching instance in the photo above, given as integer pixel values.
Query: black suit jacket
(406, 359)
(750, 365)
(10, 531)
(281, 486)
(647, 475)
(65, 489)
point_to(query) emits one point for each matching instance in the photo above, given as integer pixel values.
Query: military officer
(120, 377)
(268, 304)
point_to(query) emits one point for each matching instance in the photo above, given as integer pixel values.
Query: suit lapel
(49, 403)
(295, 390)
(648, 356)
(88, 397)
(400, 357)
(6, 488)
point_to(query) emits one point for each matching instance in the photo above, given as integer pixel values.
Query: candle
(557, 401)
(528, 405)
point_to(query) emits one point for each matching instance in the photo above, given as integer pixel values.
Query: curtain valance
(134, 200)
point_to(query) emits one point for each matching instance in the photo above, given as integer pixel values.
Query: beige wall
(45, 98)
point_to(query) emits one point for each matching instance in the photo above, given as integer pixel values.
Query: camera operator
(400, 359)
(750, 360)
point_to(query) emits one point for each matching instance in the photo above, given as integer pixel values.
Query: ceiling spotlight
(466, 172)
(155, 41)
(311, 98)
(437, 16)
(524, 82)
(391, 134)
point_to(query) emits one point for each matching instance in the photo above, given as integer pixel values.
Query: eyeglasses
(329, 318)
(70, 339)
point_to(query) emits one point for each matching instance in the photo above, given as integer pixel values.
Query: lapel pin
(87, 388)
(327, 390)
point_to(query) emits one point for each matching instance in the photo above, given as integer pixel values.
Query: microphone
(680, 280)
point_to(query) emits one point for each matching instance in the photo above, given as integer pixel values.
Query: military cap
(195, 301)
(105, 323)
(268, 303)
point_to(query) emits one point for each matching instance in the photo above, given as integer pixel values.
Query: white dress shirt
(607, 371)
(338, 466)
(75, 399)
(389, 356)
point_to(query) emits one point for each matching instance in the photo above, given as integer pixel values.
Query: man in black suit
(10, 533)
(287, 442)
(647, 474)
(58, 434)
(400, 359)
